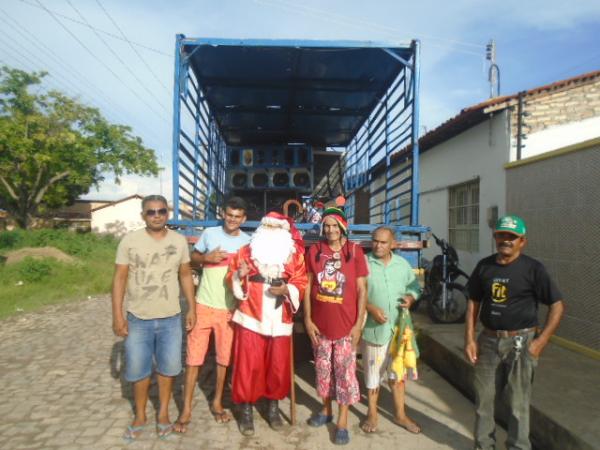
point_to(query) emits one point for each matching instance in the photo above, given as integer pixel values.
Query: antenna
(494, 70)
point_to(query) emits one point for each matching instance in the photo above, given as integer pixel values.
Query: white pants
(376, 361)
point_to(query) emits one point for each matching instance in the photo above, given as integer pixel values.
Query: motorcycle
(445, 288)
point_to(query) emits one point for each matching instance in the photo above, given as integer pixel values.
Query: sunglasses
(153, 212)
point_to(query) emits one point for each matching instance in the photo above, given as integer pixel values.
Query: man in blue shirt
(214, 306)
(392, 285)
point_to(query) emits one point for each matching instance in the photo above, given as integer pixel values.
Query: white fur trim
(273, 222)
(265, 328)
(294, 296)
(236, 287)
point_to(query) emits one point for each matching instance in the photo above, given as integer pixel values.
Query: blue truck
(282, 120)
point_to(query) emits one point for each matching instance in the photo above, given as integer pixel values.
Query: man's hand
(312, 331)
(536, 346)
(407, 301)
(243, 269)
(471, 351)
(282, 289)
(120, 326)
(378, 314)
(190, 320)
(216, 256)
(355, 334)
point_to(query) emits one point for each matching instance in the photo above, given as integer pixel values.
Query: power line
(102, 63)
(71, 72)
(358, 23)
(115, 54)
(114, 36)
(132, 46)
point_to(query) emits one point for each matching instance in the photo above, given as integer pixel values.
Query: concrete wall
(118, 218)
(479, 152)
(559, 199)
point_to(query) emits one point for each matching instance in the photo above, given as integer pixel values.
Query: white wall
(479, 152)
(119, 218)
(557, 137)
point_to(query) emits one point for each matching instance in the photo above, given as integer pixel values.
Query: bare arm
(361, 286)
(471, 350)
(212, 257)
(311, 329)
(555, 313)
(187, 286)
(118, 296)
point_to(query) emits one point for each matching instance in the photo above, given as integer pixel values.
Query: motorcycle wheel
(456, 306)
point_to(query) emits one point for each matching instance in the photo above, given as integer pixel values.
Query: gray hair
(153, 198)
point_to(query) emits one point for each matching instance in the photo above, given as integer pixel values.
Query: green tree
(53, 148)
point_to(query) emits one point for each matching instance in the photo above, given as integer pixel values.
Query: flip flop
(411, 427)
(164, 430)
(180, 426)
(133, 432)
(221, 416)
(342, 437)
(319, 419)
(368, 427)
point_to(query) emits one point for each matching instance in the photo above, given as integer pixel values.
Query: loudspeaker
(238, 179)
(280, 178)
(258, 178)
(301, 178)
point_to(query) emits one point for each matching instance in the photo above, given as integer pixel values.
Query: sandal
(368, 426)
(220, 416)
(409, 426)
(164, 430)
(319, 419)
(180, 426)
(342, 437)
(133, 432)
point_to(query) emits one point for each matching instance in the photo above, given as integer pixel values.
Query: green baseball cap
(511, 224)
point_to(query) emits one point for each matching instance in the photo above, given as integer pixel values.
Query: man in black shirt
(505, 290)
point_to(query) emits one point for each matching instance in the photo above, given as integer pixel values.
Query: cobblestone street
(62, 389)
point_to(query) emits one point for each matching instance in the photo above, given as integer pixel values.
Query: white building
(118, 217)
(475, 167)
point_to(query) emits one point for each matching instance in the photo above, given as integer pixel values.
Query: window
(463, 216)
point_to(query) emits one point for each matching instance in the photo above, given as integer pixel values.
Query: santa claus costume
(268, 277)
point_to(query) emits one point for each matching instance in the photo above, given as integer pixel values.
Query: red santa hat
(275, 219)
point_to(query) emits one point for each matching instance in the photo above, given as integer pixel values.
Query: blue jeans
(157, 340)
(504, 369)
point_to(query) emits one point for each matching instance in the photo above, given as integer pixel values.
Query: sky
(118, 55)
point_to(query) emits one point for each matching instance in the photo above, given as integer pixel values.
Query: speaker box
(280, 178)
(258, 179)
(301, 178)
(238, 179)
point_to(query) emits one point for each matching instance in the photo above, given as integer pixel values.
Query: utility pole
(494, 70)
(160, 172)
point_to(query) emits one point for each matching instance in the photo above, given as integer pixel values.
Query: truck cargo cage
(243, 109)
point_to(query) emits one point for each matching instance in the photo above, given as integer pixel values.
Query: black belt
(258, 278)
(507, 333)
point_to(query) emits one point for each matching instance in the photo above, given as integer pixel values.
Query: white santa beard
(270, 249)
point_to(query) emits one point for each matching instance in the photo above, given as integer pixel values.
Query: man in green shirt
(391, 285)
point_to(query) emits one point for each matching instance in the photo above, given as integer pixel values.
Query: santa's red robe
(261, 358)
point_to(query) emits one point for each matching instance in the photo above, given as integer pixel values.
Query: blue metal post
(414, 213)
(176, 123)
(197, 144)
